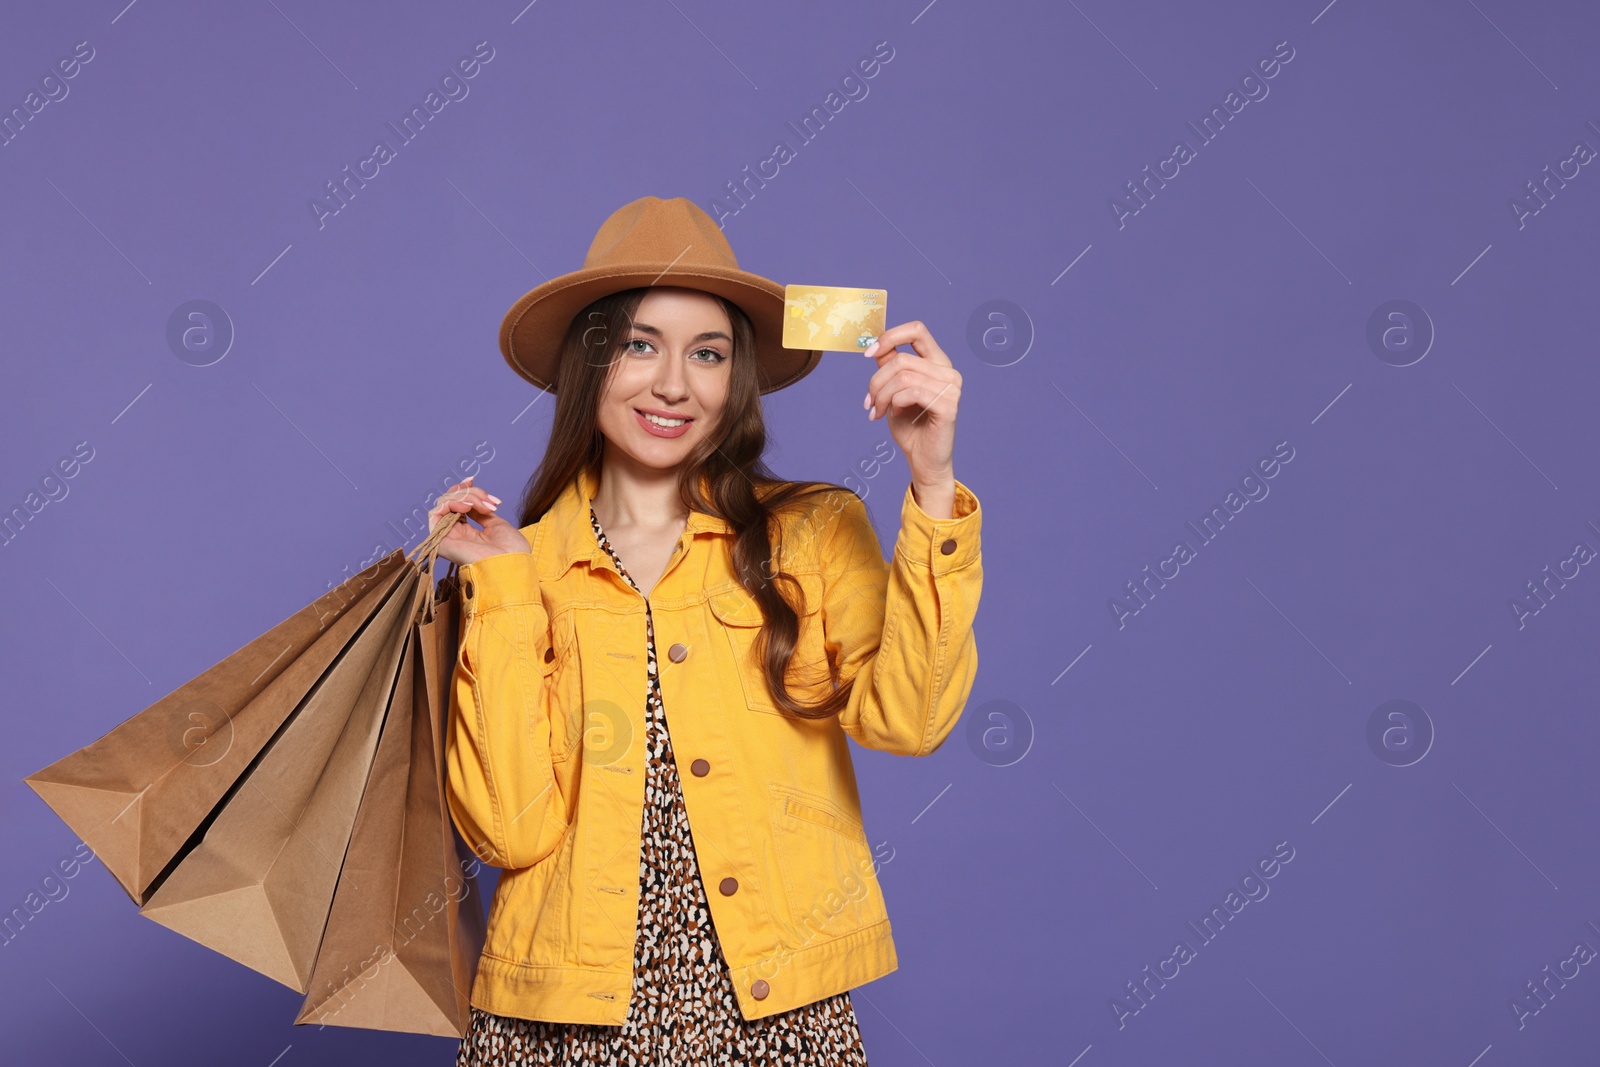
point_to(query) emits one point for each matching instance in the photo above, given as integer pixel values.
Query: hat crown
(651, 230)
(650, 242)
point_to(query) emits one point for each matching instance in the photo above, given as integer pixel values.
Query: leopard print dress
(683, 1010)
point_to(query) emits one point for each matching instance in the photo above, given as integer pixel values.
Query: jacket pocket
(810, 674)
(534, 917)
(823, 816)
(826, 867)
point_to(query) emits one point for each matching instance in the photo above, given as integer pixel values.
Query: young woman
(704, 894)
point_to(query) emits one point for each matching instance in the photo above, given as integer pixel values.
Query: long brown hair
(730, 461)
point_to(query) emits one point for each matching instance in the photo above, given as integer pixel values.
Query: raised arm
(903, 629)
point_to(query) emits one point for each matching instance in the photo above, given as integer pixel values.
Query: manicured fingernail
(872, 414)
(496, 499)
(491, 507)
(866, 402)
(872, 350)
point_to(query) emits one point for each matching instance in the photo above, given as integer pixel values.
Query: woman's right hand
(465, 543)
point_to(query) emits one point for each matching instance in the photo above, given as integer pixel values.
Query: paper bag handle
(425, 555)
(430, 545)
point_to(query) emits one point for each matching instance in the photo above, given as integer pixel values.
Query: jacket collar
(566, 525)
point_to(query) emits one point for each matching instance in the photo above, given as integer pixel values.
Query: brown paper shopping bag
(318, 781)
(137, 795)
(406, 929)
(439, 642)
(258, 884)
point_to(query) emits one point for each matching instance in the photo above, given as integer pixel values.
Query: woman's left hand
(919, 392)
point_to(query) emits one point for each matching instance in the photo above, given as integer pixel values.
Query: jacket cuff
(942, 545)
(505, 579)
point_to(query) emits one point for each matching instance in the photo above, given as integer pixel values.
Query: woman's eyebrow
(709, 335)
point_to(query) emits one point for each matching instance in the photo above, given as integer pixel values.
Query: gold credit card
(833, 319)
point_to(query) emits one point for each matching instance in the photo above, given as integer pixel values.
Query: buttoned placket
(676, 653)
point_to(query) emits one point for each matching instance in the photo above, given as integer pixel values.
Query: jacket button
(729, 886)
(759, 989)
(949, 546)
(700, 768)
(549, 655)
(677, 653)
(466, 588)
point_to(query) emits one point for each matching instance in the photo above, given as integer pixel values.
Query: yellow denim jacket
(545, 750)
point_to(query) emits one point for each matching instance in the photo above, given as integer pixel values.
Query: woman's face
(675, 364)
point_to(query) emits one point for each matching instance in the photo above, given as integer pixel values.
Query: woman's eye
(636, 341)
(718, 356)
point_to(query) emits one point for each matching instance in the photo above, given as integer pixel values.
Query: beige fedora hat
(651, 242)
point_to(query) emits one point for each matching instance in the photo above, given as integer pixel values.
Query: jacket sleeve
(903, 629)
(500, 785)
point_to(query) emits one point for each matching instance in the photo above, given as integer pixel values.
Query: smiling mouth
(665, 423)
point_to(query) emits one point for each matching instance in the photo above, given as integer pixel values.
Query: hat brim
(532, 331)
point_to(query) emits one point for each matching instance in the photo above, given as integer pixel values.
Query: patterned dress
(683, 1009)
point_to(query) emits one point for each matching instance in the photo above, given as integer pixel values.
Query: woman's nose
(671, 381)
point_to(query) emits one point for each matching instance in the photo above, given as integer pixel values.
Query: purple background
(1228, 315)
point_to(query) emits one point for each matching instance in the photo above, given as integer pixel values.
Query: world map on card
(832, 318)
